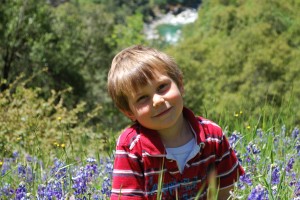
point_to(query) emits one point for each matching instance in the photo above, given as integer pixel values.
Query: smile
(163, 112)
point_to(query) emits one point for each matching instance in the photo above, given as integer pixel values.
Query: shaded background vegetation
(240, 56)
(243, 55)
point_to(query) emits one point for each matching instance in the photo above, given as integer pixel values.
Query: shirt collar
(152, 144)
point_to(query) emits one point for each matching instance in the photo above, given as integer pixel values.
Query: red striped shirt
(140, 159)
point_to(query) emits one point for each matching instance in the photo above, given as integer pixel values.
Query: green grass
(57, 150)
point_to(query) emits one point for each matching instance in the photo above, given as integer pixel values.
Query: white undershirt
(181, 154)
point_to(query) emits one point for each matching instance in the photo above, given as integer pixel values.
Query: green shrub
(37, 126)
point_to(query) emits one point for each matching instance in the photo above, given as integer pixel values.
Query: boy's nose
(157, 100)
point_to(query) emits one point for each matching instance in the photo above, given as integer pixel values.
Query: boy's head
(136, 66)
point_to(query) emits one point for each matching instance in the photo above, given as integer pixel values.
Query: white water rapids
(171, 25)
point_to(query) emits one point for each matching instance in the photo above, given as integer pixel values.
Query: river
(168, 27)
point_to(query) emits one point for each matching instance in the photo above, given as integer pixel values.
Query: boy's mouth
(163, 112)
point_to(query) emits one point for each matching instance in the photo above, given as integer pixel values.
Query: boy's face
(157, 105)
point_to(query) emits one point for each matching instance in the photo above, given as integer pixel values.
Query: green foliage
(84, 30)
(242, 55)
(128, 34)
(75, 41)
(23, 23)
(41, 126)
(69, 40)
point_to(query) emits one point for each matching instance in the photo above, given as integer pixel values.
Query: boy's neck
(178, 135)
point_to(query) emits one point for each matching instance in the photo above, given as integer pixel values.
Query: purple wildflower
(21, 191)
(53, 190)
(56, 186)
(246, 178)
(297, 146)
(6, 191)
(29, 158)
(58, 170)
(258, 193)
(15, 154)
(106, 186)
(107, 171)
(21, 170)
(6, 166)
(109, 168)
(295, 133)
(98, 196)
(42, 191)
(80, 183)
(234, 138)
(293, 178)
(290, 164)
(91, 160)
(297, 189)
(252, 148)
(275, 176)
(91, 168)
(83, 177)
(247, 158)
(25, 173)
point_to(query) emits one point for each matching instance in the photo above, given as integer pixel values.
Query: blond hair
(136, 66)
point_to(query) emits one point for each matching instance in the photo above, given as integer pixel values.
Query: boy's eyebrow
(139, 91)
(136, 94)
(162, 79)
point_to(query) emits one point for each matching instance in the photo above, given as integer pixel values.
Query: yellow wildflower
(55, 144)
(1, 163)
(236, 114)
(63, 145)
(58, 118)
(248, 127)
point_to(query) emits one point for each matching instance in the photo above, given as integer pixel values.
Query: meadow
(52, 155)
(58, 127)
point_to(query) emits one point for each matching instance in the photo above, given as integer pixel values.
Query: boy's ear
(129, 114)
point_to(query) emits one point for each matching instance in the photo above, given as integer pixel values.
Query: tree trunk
(6, 69)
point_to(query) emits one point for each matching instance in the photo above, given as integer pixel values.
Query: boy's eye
(141, 99)
(162, 87)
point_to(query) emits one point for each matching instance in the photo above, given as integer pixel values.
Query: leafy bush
(39, 126)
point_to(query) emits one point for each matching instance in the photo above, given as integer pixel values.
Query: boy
(168, 153)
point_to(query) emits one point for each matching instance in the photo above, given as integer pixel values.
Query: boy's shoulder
(209, 128)
(138, 139)
(128, 135)
(202, 126)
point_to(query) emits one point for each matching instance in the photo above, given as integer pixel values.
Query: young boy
(168, 153)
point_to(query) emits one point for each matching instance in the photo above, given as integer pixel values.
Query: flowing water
(168, 27)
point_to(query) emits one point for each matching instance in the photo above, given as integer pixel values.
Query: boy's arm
(228, 167)
(128, 178)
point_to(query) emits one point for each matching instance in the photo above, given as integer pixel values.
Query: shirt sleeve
(228, 167)
(128, 177)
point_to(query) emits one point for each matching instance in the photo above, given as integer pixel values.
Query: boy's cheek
(129, 114)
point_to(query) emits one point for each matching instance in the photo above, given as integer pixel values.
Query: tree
(242, 55)
(128, 34)
(69, 40)
(22, 23)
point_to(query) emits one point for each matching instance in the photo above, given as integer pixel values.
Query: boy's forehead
(157, 77)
